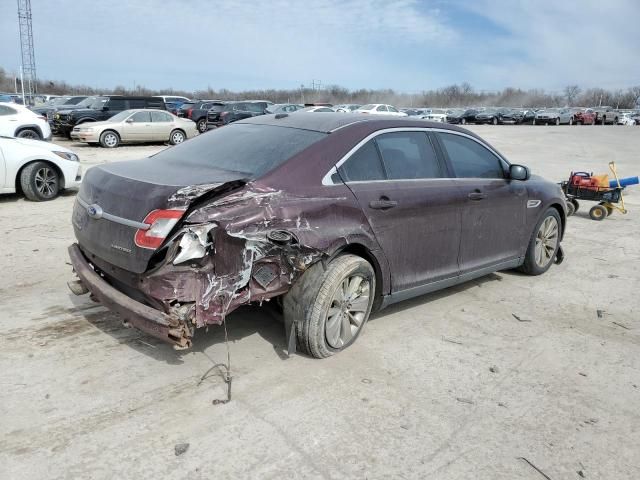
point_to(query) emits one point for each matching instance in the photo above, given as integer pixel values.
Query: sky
(405, 45)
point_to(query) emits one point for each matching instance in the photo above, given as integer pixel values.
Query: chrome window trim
(326, 180)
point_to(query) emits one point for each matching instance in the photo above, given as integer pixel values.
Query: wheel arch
(29, 127)
(362, 251)
(49, 162)
(563, 215)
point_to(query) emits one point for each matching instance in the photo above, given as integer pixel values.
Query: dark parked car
(467, 116)
(59, 103)
(197, 111)
(103, 108)
(310, 208)
(234, 111)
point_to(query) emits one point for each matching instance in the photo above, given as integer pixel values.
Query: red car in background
(585, 117)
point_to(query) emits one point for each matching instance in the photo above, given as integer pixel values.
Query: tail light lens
(189, 112)
(160, 222)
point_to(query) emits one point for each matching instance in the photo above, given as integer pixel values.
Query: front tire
(557, 121)
(40, 182)
(544, 244)
(463, 121)
(330, 305)
(202, 125)
(495, 121)
(109, 139)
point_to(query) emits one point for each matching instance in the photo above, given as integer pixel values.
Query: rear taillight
(160, 222)
(189, 112)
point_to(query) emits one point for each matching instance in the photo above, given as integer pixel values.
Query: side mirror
(129, 120)
(105, 108)
(519, 172)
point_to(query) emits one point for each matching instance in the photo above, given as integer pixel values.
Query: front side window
(364, 165)
(469, 159)
(408, 155)
(393, 109)
(140, 117)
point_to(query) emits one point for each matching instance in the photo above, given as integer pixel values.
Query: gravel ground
(449, 385)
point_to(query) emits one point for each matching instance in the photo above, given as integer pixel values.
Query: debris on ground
(465, 400)
(520, 319)
(445, 339)
(493, 369)
(621, 325)
(181, 448)
(534, 467)
(582, 373)
(600, 313)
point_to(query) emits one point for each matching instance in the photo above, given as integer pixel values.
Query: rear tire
(463, 122)
(598, 213)
(329, 306)
(29, 133)
(40, 182)
(202, 125)
(109, 139)
(557, 121)
(576, 205)
(176, 137)
(544, 244)
(571, 209)
(494, 121)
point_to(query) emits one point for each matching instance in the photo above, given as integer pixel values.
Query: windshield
(58, 101)
(98, 103)
(86, 102)
(249, 149)
(121, 116)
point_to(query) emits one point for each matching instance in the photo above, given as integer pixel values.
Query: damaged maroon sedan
(337, 215)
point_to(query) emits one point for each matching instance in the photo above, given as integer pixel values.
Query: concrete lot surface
(446, 386)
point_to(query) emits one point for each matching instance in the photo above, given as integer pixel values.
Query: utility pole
(28, 68)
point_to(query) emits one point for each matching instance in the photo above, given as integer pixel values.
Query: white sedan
(40, 170)
(436, 115)
(136, 126)
(18, 121)
(380, 109)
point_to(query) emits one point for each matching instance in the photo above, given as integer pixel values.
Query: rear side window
(408, 155)
(364, 165)
(381, 108)
(161, 117)
(154, 103)
(469, 159)
(117, 104)
(4, 110)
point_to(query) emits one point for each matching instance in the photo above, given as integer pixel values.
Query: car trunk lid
(115, 199)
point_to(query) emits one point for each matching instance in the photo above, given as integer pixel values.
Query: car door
(494, 209)
(3, 168)
(413, 210)
(137, 128)
(161, 125)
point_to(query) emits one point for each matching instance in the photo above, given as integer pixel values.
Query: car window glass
(381, 108)
(363, 165)
(117, 104)
(140, 117)
(160, 117)
(392, 109)
(469, 159)
(408, 155)
(4, 110)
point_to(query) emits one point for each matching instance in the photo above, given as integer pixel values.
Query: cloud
(408, 45)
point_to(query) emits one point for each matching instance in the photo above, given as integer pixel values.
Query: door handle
(477, 196)
(383, 204)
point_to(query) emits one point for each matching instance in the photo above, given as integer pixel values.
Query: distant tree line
(462, 95)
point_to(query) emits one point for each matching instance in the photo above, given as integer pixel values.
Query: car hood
(48, 146)
(129, 191)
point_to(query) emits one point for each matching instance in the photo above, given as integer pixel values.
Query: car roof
(328, 122)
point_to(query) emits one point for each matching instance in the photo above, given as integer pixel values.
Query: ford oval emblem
(94, 211)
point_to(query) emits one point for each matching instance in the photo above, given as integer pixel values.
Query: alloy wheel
(177, 137)
(347, 312)
(546, 241)
(46, 180)
(110, 140)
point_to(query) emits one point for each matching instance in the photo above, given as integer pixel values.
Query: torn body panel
(249, 244)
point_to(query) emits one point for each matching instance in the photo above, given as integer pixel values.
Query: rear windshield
(252, 150)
